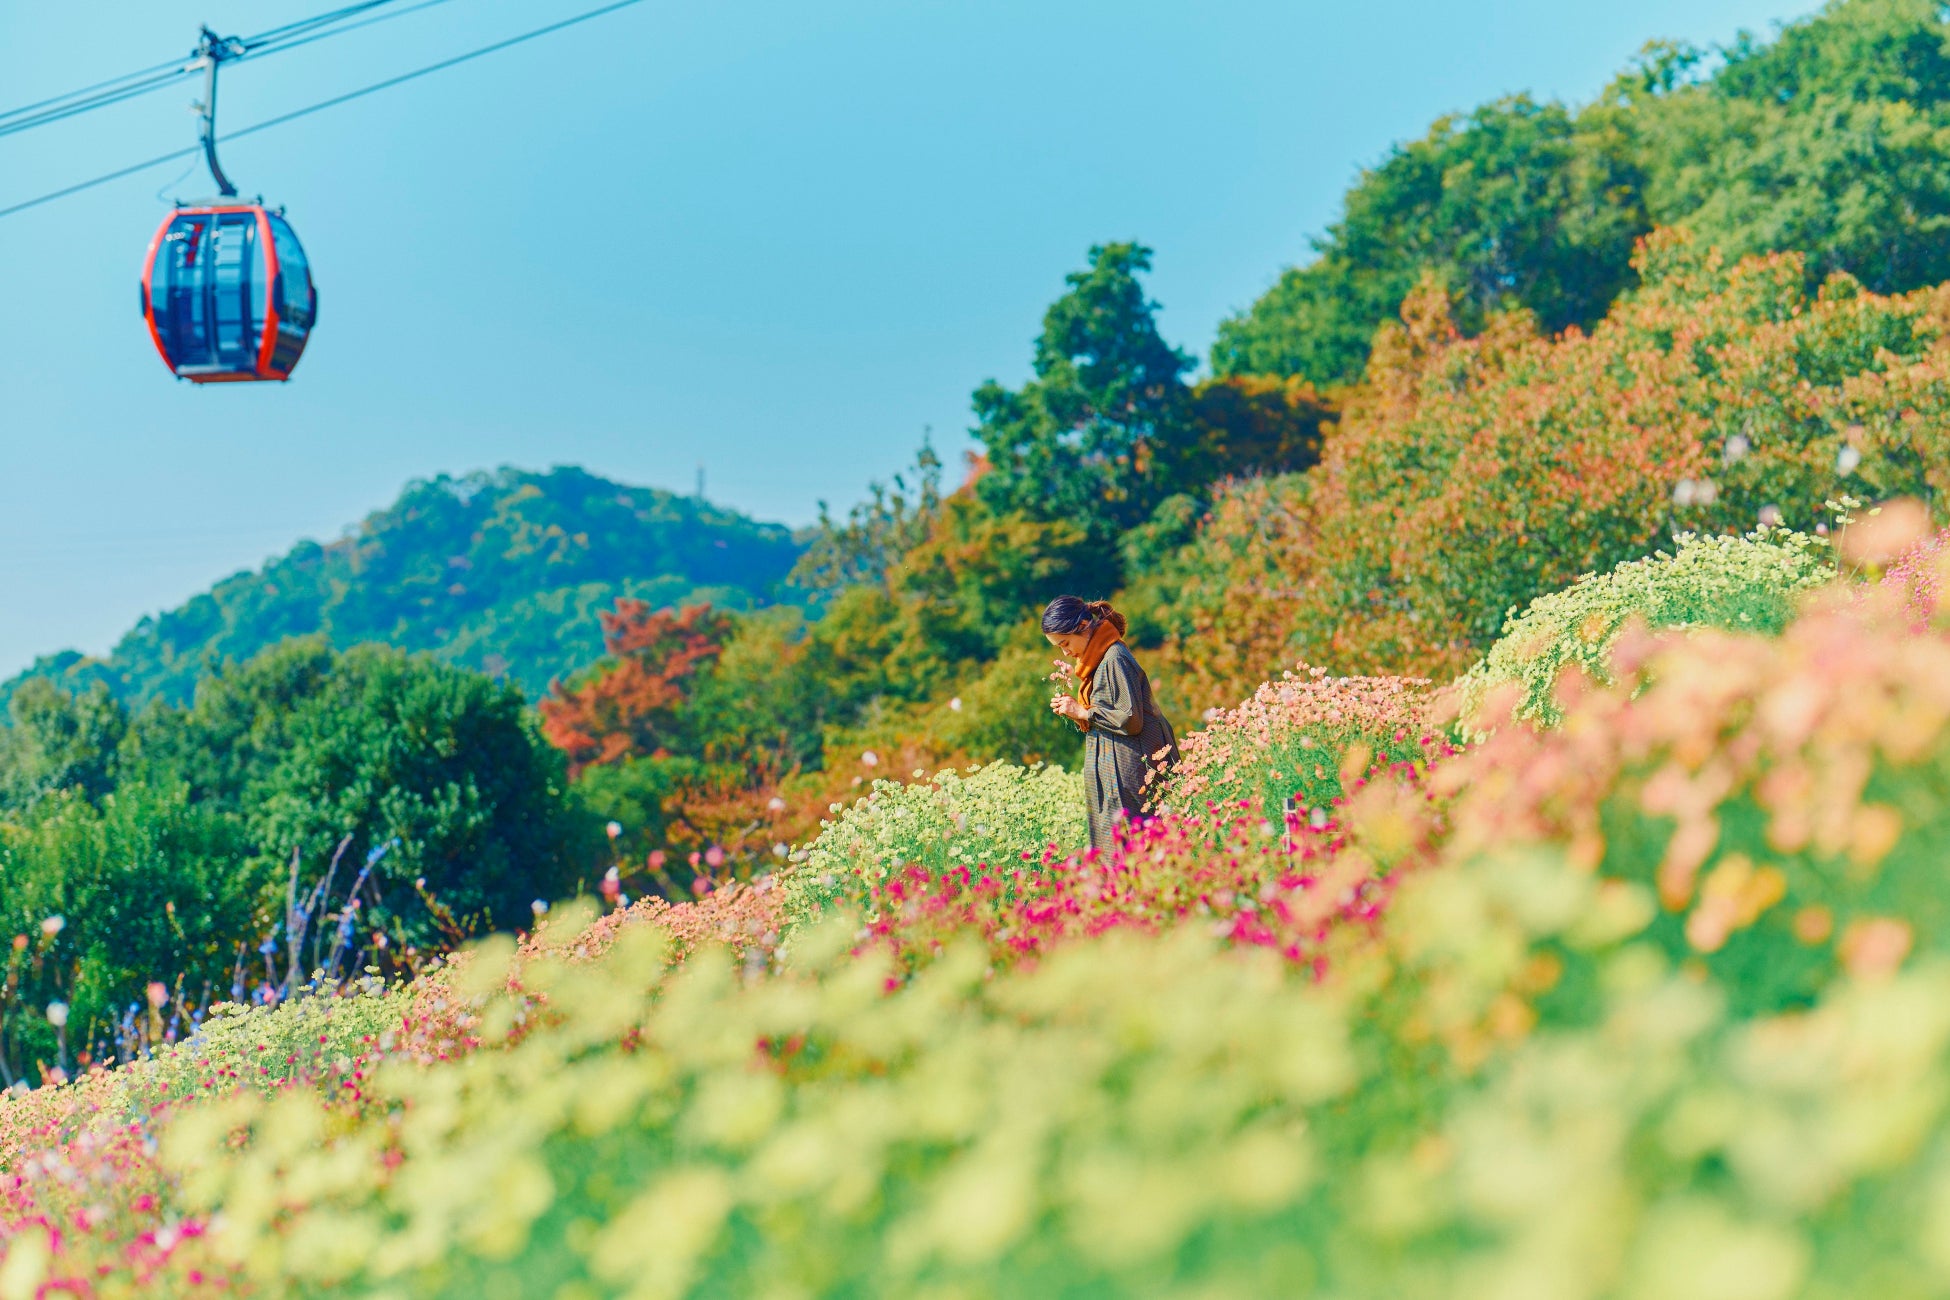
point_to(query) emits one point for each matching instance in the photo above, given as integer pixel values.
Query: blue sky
(777, 239)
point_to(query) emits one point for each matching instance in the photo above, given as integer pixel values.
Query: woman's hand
(1069, 706)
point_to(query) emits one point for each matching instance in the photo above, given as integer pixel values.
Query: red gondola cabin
(228, 294)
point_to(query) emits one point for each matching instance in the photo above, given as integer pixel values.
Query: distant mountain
(501, 571)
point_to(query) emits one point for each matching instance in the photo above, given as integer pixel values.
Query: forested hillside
(501, 572)
(1832, 141)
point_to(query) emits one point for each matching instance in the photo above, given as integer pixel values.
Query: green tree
(892, 521)
(1832, 141)
(102, 898)
(239, 727)
(59, 741)
(445, 765)
(1102, 433)
(1517, 204)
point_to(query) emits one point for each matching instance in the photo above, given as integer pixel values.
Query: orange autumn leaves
(1469, 475)
(627, 707)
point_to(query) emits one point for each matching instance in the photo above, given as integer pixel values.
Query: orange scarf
(1102, 638)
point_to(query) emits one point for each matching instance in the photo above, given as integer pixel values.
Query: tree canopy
(1832, 141)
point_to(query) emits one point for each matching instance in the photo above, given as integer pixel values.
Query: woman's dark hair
(1068, 614)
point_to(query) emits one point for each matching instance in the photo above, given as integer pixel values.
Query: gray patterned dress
(1126, 731)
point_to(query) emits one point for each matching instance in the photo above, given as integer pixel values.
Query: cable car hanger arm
(213, 50)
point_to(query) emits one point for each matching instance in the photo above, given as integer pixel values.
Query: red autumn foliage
(629, 705)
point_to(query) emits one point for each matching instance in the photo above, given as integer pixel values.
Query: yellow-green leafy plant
(805, 1132)
(989, 815)
(1742, 584)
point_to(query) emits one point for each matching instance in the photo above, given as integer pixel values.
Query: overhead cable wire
(428, 70)
(322, 105)
(315, 21)
(116, 175)
(129, 86)
(173, 64)
(253, 51)
(18, 124)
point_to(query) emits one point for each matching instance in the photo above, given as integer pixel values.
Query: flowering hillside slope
(1650, 1003)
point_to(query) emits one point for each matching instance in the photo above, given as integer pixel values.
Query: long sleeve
(1115, 697)
(1127, 745)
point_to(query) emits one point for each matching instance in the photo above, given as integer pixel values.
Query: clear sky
(777, 238)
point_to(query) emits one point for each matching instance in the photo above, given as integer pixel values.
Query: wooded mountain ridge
(501, 571)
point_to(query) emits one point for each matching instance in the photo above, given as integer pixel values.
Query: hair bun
(1100, 611)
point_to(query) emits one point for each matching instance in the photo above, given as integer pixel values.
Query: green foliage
(1222, 601)
(877, 533)
(1003, 711)
(968, 589)
(1108, 434)
(991, 815)
(442, 763)
(165, 848)
(317, 1039)
(310, 1038)
(1740, 584)
(968, 1129)
(302, 747)
(1475, 474)
(141, 885)
(499, 572)
(1098, 435)
(1516, 205)
(1830, 141)
(239, 727)
(57, 741)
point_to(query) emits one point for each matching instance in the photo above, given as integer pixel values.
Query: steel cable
(276, 41)
(321, 105)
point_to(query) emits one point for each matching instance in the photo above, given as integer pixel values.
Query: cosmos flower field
(1652, 999)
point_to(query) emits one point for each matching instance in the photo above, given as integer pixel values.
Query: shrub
(965, 1128)
(1474, 474)
(1740, 584)
(85, 1204)
(1780, 798)
(324, 1035)
(1225, 600)
(988, 816)
(448, 765)
(1305, 735)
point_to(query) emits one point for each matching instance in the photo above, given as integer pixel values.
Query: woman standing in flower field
(1127, 742)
